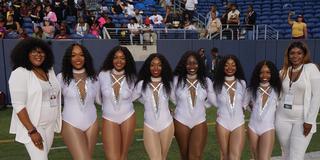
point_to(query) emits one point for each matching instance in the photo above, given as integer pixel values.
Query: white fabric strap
(117, 81)
(265, 91)
(230, 86)
(157, 88)
(192, 84)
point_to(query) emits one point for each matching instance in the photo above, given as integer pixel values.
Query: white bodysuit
(156, 116)
(262, 119)
(115, 110)
(75, 112)
(185, 112)
(228, 115)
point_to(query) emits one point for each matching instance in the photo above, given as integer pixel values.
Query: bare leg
(182, 134)
(111, 138)
(253, 139)
(91, 136)
(127, 134)
(236, 144)
(152, 143)
(198, 140)
(166, 138)
(223, 140)
(266, 142)
(75, 140)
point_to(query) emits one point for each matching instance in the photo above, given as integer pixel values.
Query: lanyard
(294, 80)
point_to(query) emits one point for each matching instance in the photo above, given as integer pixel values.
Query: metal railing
(266, 32)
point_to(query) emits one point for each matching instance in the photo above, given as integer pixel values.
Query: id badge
(53, 98)
(288, 101)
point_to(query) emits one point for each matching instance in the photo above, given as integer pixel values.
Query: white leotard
(75, 112)
(185, 113)
(231, 116)
(156, 117)
(262, 119)
(115, 110)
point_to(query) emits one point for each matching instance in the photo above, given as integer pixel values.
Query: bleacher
(274, 13)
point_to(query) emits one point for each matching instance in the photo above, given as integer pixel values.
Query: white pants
(293, 143)
(47, 134)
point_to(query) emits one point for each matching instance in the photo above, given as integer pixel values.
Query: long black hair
(166, 72)
(67, 67)
(220, 74)
(274, 81)
(181, 69)
(130, 67)
(20, 54)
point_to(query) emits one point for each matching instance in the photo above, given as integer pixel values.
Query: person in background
(298, 28)
(250, 21)
(48, 29)
(135, 30)
(215, 59)
(82, 28)
(190, 7)
(36, 114)
(38, 33)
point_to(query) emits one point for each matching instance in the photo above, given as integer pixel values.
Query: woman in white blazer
(35, 96)
(80, 89)
(299, 102)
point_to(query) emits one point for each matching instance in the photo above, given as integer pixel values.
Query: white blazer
(26, 92)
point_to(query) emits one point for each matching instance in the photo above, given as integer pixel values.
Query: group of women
(285, 103)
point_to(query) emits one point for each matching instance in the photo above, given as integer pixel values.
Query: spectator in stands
(108, 29)
(190, 7)
(190, 25)
(2, 28)
(11, 26)
(48, 28)
(103, 19)
(62, 33)
(37, 15)
(94, 29)
(129, 8)
(24, 10)
(224, 17)
(156, 18)
(82, 28)
(117, 7)
(51, 15)
(168, 6)
(22, 34)
(135, 30)
(234, 15)
(174, 20)
(298, 28)
(140, 5)
(250, 21)
(209, 15)
(214, 25)
(38, 33)
(149, 35)
(138, 16)
(59, 9)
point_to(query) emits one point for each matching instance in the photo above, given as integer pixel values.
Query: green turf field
(10, 150)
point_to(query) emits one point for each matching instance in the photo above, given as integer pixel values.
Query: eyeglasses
(37, 52)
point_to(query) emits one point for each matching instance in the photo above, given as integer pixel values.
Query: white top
(226, 110)
(110, 105)
(191, 5)
(266, 113)
(156, 19)
(82, 30)
(134, 27)
(156, 115)
(214, 25)
(310, 76)
(26, 92)
(182, 98)
(75, 111)
(129, 9)
(233, 14)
